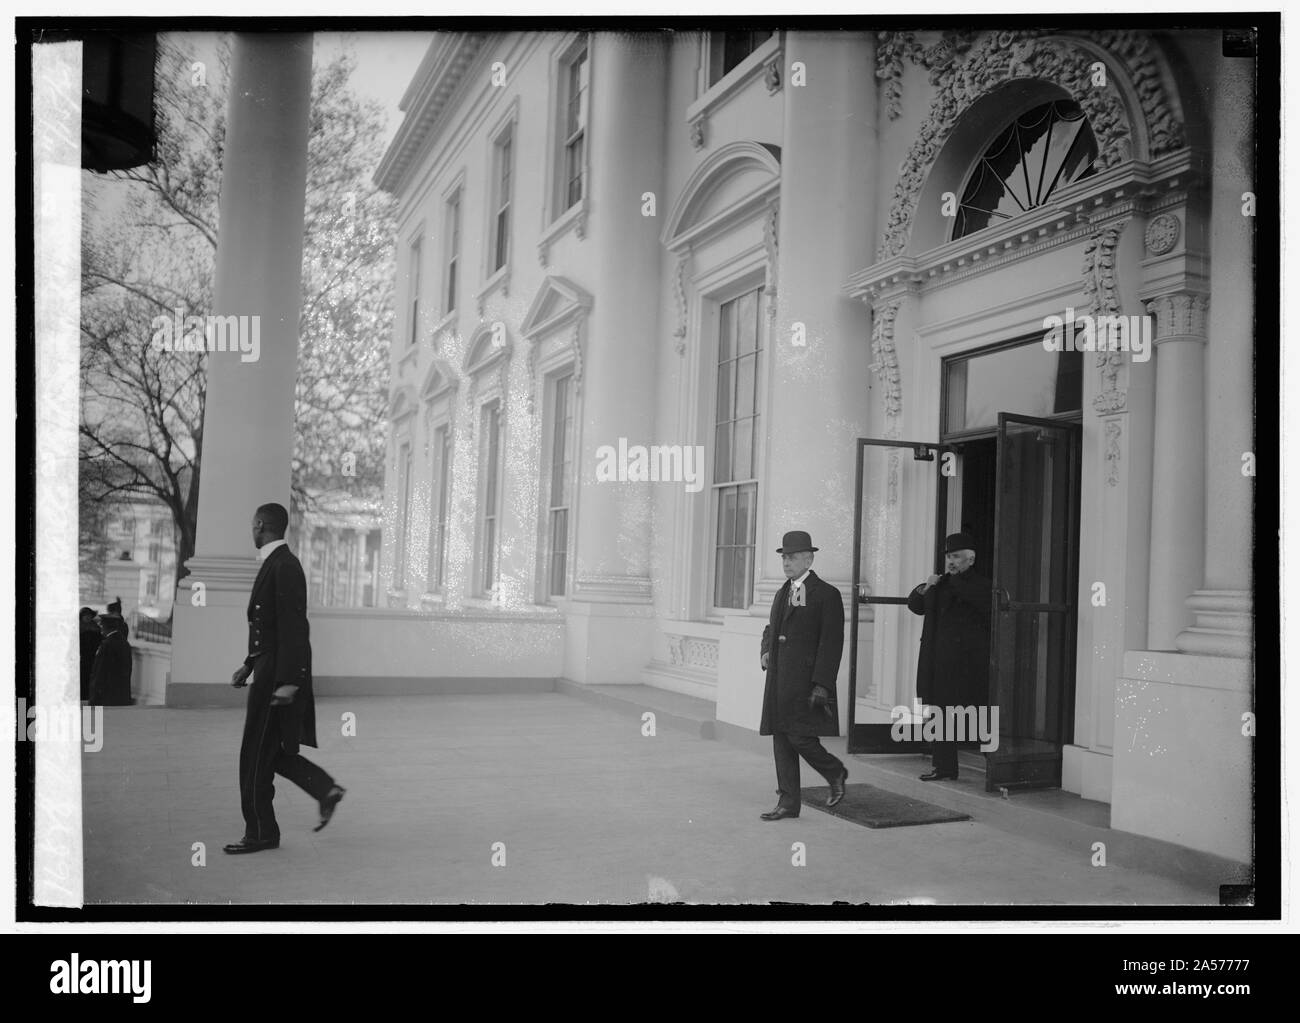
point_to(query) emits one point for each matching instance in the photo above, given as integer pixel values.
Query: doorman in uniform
(281, 709)
(801, 651)
(954, 667)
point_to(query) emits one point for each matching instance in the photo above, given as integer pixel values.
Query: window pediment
(732, 184)
(558, 302)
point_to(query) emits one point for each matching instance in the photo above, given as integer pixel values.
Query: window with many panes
(735, 449)
(452, 220)
(574, 72)
(728, 49)
(489, 491)
(560, 492)
(503, 150)
(440, 448)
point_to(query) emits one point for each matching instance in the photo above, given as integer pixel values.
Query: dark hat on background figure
(795, 541)
(115, 608)
(958, 542)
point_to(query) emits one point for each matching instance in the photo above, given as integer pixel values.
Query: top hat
(795, 541)
(958, 542)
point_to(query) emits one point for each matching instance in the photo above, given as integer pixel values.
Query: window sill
(573, 219)
(499, 279)
(733, 82)
(445, 323)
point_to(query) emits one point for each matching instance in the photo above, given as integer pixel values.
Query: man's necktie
(796, 596)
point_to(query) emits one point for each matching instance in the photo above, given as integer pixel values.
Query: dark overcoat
(804, 644)
(90, 640)
(279, 651)
(954, 667)
(110, 676)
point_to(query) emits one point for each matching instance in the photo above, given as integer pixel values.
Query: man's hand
(240, 678)
(820, 698)
(764, 662)
(932, 581)
(283, 695)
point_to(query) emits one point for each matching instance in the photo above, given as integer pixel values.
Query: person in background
(90, 640)
(110, 678)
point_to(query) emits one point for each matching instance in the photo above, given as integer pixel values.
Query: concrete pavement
(569, 796)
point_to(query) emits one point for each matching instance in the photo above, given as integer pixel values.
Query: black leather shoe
(938, 776)
(780, 813)
(837, 788)
(328, 804)
(245, 845)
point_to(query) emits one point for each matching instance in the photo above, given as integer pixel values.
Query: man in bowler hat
(801, 651)
(954, 667)
(281, 712)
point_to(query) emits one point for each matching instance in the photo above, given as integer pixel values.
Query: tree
(149, 246)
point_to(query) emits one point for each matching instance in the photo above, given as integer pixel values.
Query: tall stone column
(609, 610)
(1178, 464)
(1221, 604)
(827, 231)
(248, 421)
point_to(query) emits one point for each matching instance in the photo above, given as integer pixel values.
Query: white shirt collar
(265, 550)
(800, 581)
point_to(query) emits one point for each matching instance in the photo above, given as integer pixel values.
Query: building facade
(655, 289)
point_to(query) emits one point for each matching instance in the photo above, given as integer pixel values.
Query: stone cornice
(426, 100)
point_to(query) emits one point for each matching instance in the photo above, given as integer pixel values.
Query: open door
(1035, 569)
(889, 469)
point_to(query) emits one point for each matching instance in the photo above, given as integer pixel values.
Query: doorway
(1010, 479)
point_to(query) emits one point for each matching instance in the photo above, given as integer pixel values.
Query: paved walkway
(587, 809)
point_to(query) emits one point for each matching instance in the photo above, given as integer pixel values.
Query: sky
(386, 62)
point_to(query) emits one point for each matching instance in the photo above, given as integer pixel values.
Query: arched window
(1042, 150)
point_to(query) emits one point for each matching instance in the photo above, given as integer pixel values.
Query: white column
(827, 231)
(609, 610)
(248, 420)
(1178, 465)
(1221, 604)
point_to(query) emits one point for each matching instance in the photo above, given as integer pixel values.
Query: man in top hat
(801, 651)
(954, 667)
(281, 713)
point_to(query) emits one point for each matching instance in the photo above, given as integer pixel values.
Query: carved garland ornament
(771, 243)
(998, 57)
(679, 296)
(885, 364)
(1102, 299)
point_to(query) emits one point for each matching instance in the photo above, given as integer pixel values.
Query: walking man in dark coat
(954, 667)
(801, 651)
(281, 712)
(110, 677)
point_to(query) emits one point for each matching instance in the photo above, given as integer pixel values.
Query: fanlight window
(1041, 151)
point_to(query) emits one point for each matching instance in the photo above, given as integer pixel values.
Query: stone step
(673, 710)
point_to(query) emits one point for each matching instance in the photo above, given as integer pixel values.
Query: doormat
(879, 808)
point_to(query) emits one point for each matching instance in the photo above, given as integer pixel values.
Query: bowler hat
(958, 542)
(795, 541)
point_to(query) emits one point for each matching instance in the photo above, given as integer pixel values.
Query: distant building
(140, 559)
(338, 542)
